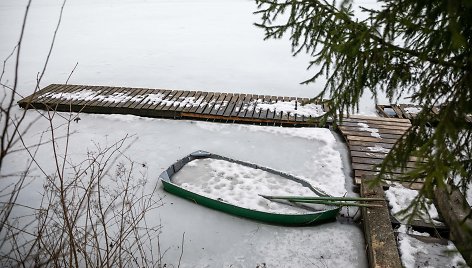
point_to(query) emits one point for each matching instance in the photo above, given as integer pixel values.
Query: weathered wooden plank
(262, 112)
(34, 97)
(270, 114)
(397, 110)
(211, 103)
(376, 118)
(382, 131)
(372, 167)
(376, 161)
(381, 245)
(370, 139)
(368, 149)
(368, 134)
(105, 97)
(79, 98)
(154, 99)
(198, 98)
(216, 104)
(65, 101)
(231, 105)
(239, 105)
(386, 111)
(409, 185)
(366, 153)
(378, 122)
(373, 145)
(138, 96)
(119, 97)
(169, 102)
(391, 176)
(206, 102)
(111, 97)
(127, 95)
(142, 102)
(258, 109)
(245, 105)
(94, 102)
(200, 102)
(179, 105)
(187, 101)
(85, 101)
(251, 110)
(224, 104)
(384, 126)
(58, 95)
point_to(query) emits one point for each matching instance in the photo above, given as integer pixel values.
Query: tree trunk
(455, 210)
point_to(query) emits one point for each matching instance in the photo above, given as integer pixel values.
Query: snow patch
(412, 110)
(399, 198)
(373, 131)
(292, 107)
(378, 149)
(415, 253)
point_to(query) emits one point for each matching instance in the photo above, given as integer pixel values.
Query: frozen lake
(193, 45)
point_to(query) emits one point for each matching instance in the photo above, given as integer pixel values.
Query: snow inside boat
(236, 187)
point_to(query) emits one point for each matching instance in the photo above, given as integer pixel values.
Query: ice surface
(326, 161)
(240, 185)
(213, 238)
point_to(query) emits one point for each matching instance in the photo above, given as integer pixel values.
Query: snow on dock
(226, 107)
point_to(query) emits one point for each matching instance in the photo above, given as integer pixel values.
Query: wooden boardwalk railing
(227, 107)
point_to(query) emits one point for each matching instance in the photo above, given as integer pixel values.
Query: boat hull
(303, 219)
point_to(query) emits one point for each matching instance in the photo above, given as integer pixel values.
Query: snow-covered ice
(158, 143)
(192, 45)
(415, 253)
(399, 199)
(240, 185)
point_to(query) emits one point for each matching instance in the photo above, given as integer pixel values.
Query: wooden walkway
(369, 140)
(408, 111)
(225, 107)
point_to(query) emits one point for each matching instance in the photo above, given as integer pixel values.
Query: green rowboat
(306, 218)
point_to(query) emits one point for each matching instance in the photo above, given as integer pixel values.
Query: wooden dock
(164, 103)
(369, 140)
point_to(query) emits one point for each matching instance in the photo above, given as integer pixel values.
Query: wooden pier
(164, 103)
(369, 140)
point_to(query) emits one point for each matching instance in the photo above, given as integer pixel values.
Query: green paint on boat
(302, 219)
